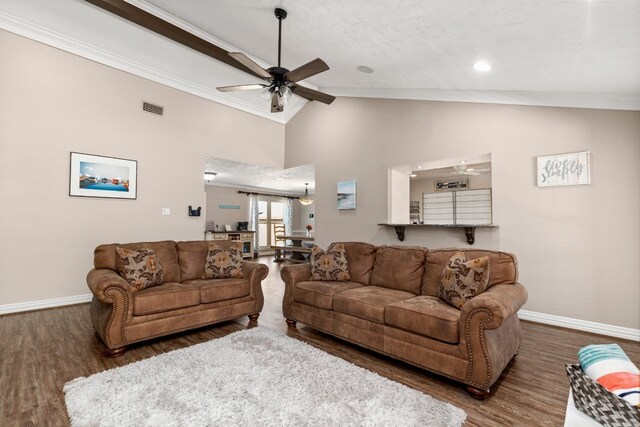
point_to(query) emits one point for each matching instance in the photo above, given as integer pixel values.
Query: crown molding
(604, 101)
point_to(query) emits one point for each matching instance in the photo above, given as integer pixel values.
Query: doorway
(271, 214)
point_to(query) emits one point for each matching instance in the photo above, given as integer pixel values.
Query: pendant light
(306, 200)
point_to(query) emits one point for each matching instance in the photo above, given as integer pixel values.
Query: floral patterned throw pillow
(330, 265)
(463, 279)
(140, 268)
(223, 264)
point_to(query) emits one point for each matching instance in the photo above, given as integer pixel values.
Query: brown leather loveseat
(391, 305)
(183, 301)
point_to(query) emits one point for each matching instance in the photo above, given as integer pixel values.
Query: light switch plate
(166, 211)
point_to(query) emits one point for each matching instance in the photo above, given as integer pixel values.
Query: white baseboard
(581, 325)
(44, 303)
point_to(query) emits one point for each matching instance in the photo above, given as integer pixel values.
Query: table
(297, 241)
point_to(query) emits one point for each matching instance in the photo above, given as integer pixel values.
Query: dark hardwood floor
(40, 351)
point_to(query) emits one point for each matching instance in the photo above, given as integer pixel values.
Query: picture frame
(346, 195)
(93, 175)
(564, 169)
(448, 184)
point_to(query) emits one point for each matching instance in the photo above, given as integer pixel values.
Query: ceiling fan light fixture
(266, 93)
(306, 200)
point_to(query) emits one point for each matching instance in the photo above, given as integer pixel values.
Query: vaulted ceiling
(575, 53)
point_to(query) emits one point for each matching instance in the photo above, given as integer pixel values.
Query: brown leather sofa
(391, 305)
(184, 301)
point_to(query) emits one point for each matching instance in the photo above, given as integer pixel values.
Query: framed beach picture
(347, 195)
(99, 176)
(564, 169)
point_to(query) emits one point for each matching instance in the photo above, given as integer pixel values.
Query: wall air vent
(153, 109)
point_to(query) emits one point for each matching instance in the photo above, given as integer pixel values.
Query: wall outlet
(166, 211)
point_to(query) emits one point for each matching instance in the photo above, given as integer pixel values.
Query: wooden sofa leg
(291, 323)
(254, 317)
(477, 393)
(116, 352)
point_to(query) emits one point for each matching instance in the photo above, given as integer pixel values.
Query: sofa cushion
(105, 256)
(320, 294)
(503, 266)
(192, 257)
(360, 258)
(462, 280)
(165, 297)
(214, 290)
(425, 315)
(223, 263)
(330, 264)
(141, 268)
(399, 267)
(368, 302)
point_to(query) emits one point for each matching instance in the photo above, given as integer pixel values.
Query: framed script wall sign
(451, 184)
(564, 169)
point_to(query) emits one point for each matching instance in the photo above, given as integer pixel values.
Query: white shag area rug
(253, 377)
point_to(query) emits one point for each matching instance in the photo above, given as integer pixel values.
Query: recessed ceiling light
(364, 69)
(482, 66)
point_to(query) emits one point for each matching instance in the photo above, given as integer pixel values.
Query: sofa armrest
(101, 279)
(499, 303)
(112, 306)
(292, 274)
(490, 333)
(255, 273)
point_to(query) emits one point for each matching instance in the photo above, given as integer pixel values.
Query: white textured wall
(52, 103)
(578, 247)
(397, 197)
(217, 196)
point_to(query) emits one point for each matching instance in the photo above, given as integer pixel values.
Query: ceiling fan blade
(307, 70)
(250, 64)
(240, 87)
(277, 106)
(313, 95)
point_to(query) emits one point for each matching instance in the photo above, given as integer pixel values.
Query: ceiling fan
(281, 82)
(465, 170)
